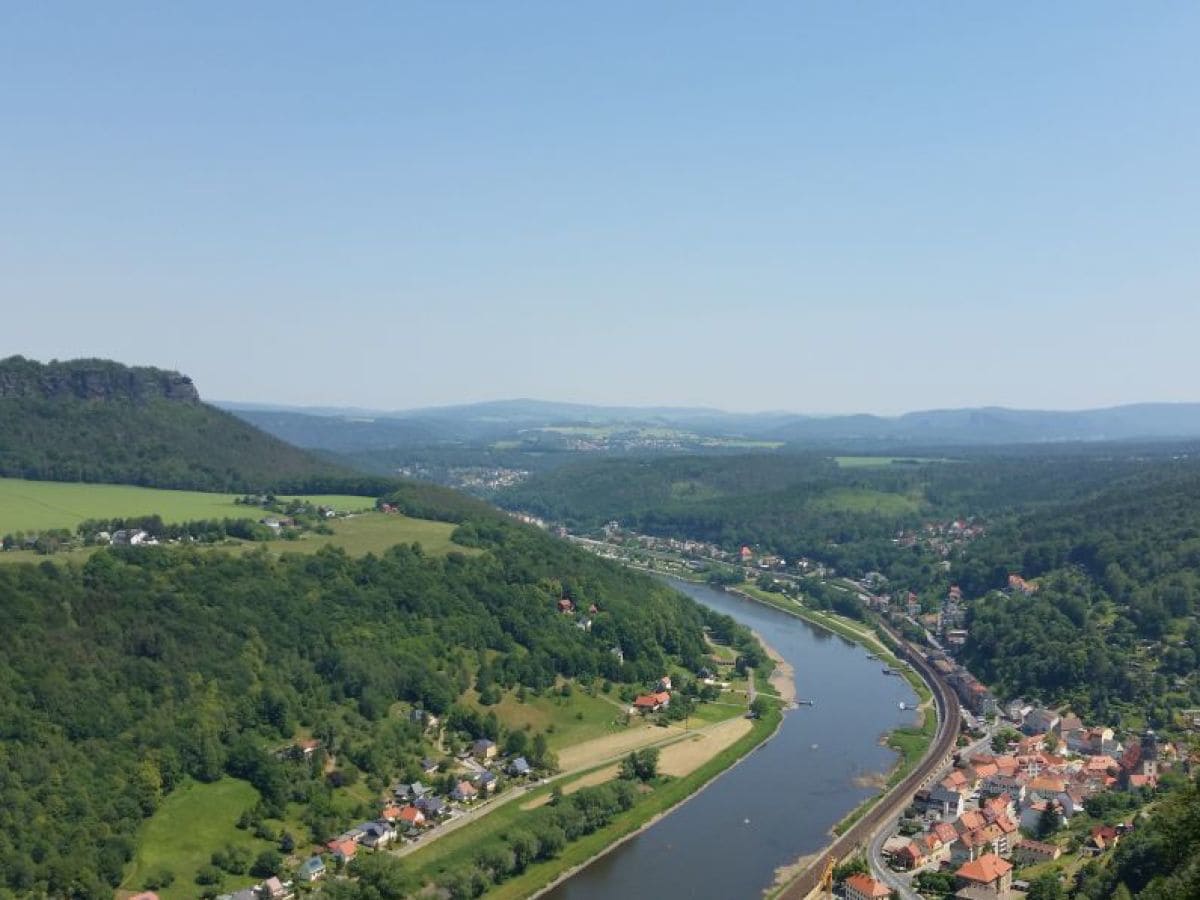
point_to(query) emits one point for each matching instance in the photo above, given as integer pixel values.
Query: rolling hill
(99, 421)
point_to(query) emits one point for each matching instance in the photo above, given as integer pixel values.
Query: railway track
(895, 800)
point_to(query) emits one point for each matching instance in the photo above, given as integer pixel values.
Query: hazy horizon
(650, 406)
(830, 209)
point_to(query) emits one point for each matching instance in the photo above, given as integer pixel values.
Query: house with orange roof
(932, 847)
(861, 886)
(1000, 805)
(390, 813)
(1103, 837)
(1007, 764)
(969, 821)
(985, 769)
(989, 873)
(989, 839)
(945, 832)
(343, 850)
(650, 703)
(410, 817)
(910, 856)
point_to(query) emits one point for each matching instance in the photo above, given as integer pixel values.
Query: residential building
(989, 873)
(312, 869)
(861, 886)
(484, 749)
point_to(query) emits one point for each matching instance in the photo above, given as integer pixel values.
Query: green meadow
(192, 822)
(32, 506)
(38, 505)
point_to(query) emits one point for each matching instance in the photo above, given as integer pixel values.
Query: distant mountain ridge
(100, 421)
(347, 430)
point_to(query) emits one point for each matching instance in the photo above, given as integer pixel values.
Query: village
(1032, 790)
(457, 787)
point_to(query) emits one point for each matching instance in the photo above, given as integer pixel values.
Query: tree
(640, 765)
(760, 706)
(1046, 887)
(1049, 821)
(268, 863)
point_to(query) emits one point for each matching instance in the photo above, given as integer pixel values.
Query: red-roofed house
(910, 856)
(945, 832)
(652, 702)
(411, 816)
(863, 887)
(343, 851)
(988, 872)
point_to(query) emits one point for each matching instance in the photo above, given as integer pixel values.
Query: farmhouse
(652, 702)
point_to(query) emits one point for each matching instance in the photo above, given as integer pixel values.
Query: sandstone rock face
(92, 379)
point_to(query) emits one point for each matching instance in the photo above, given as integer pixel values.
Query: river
(779, 803)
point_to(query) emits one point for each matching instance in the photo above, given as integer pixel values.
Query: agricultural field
(37, 505)
(180, 837)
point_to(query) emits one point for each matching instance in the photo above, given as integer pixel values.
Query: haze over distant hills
(360, 429)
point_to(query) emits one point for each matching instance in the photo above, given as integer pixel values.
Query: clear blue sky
(816, 207)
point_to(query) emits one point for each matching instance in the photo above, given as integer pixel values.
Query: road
(880, 869)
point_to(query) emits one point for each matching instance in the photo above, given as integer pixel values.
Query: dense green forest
(1159, 860)
(804, 504)
(100, 421)
(124, 676)
(1111, 533)
(1113, 626)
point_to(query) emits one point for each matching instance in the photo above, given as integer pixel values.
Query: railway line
(892, 803)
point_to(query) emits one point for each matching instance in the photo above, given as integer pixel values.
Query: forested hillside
(121, 678)
(809, 505)
(1111, 534)
(1160, 860)
(1113, 625)
(100, 421)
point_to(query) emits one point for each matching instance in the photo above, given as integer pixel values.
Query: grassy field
(192, 822)
(365, 533)
(37, 505)
(865, 500)
(375, 532)
(567, 720)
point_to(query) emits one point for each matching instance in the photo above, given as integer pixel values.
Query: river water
(779, 803)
